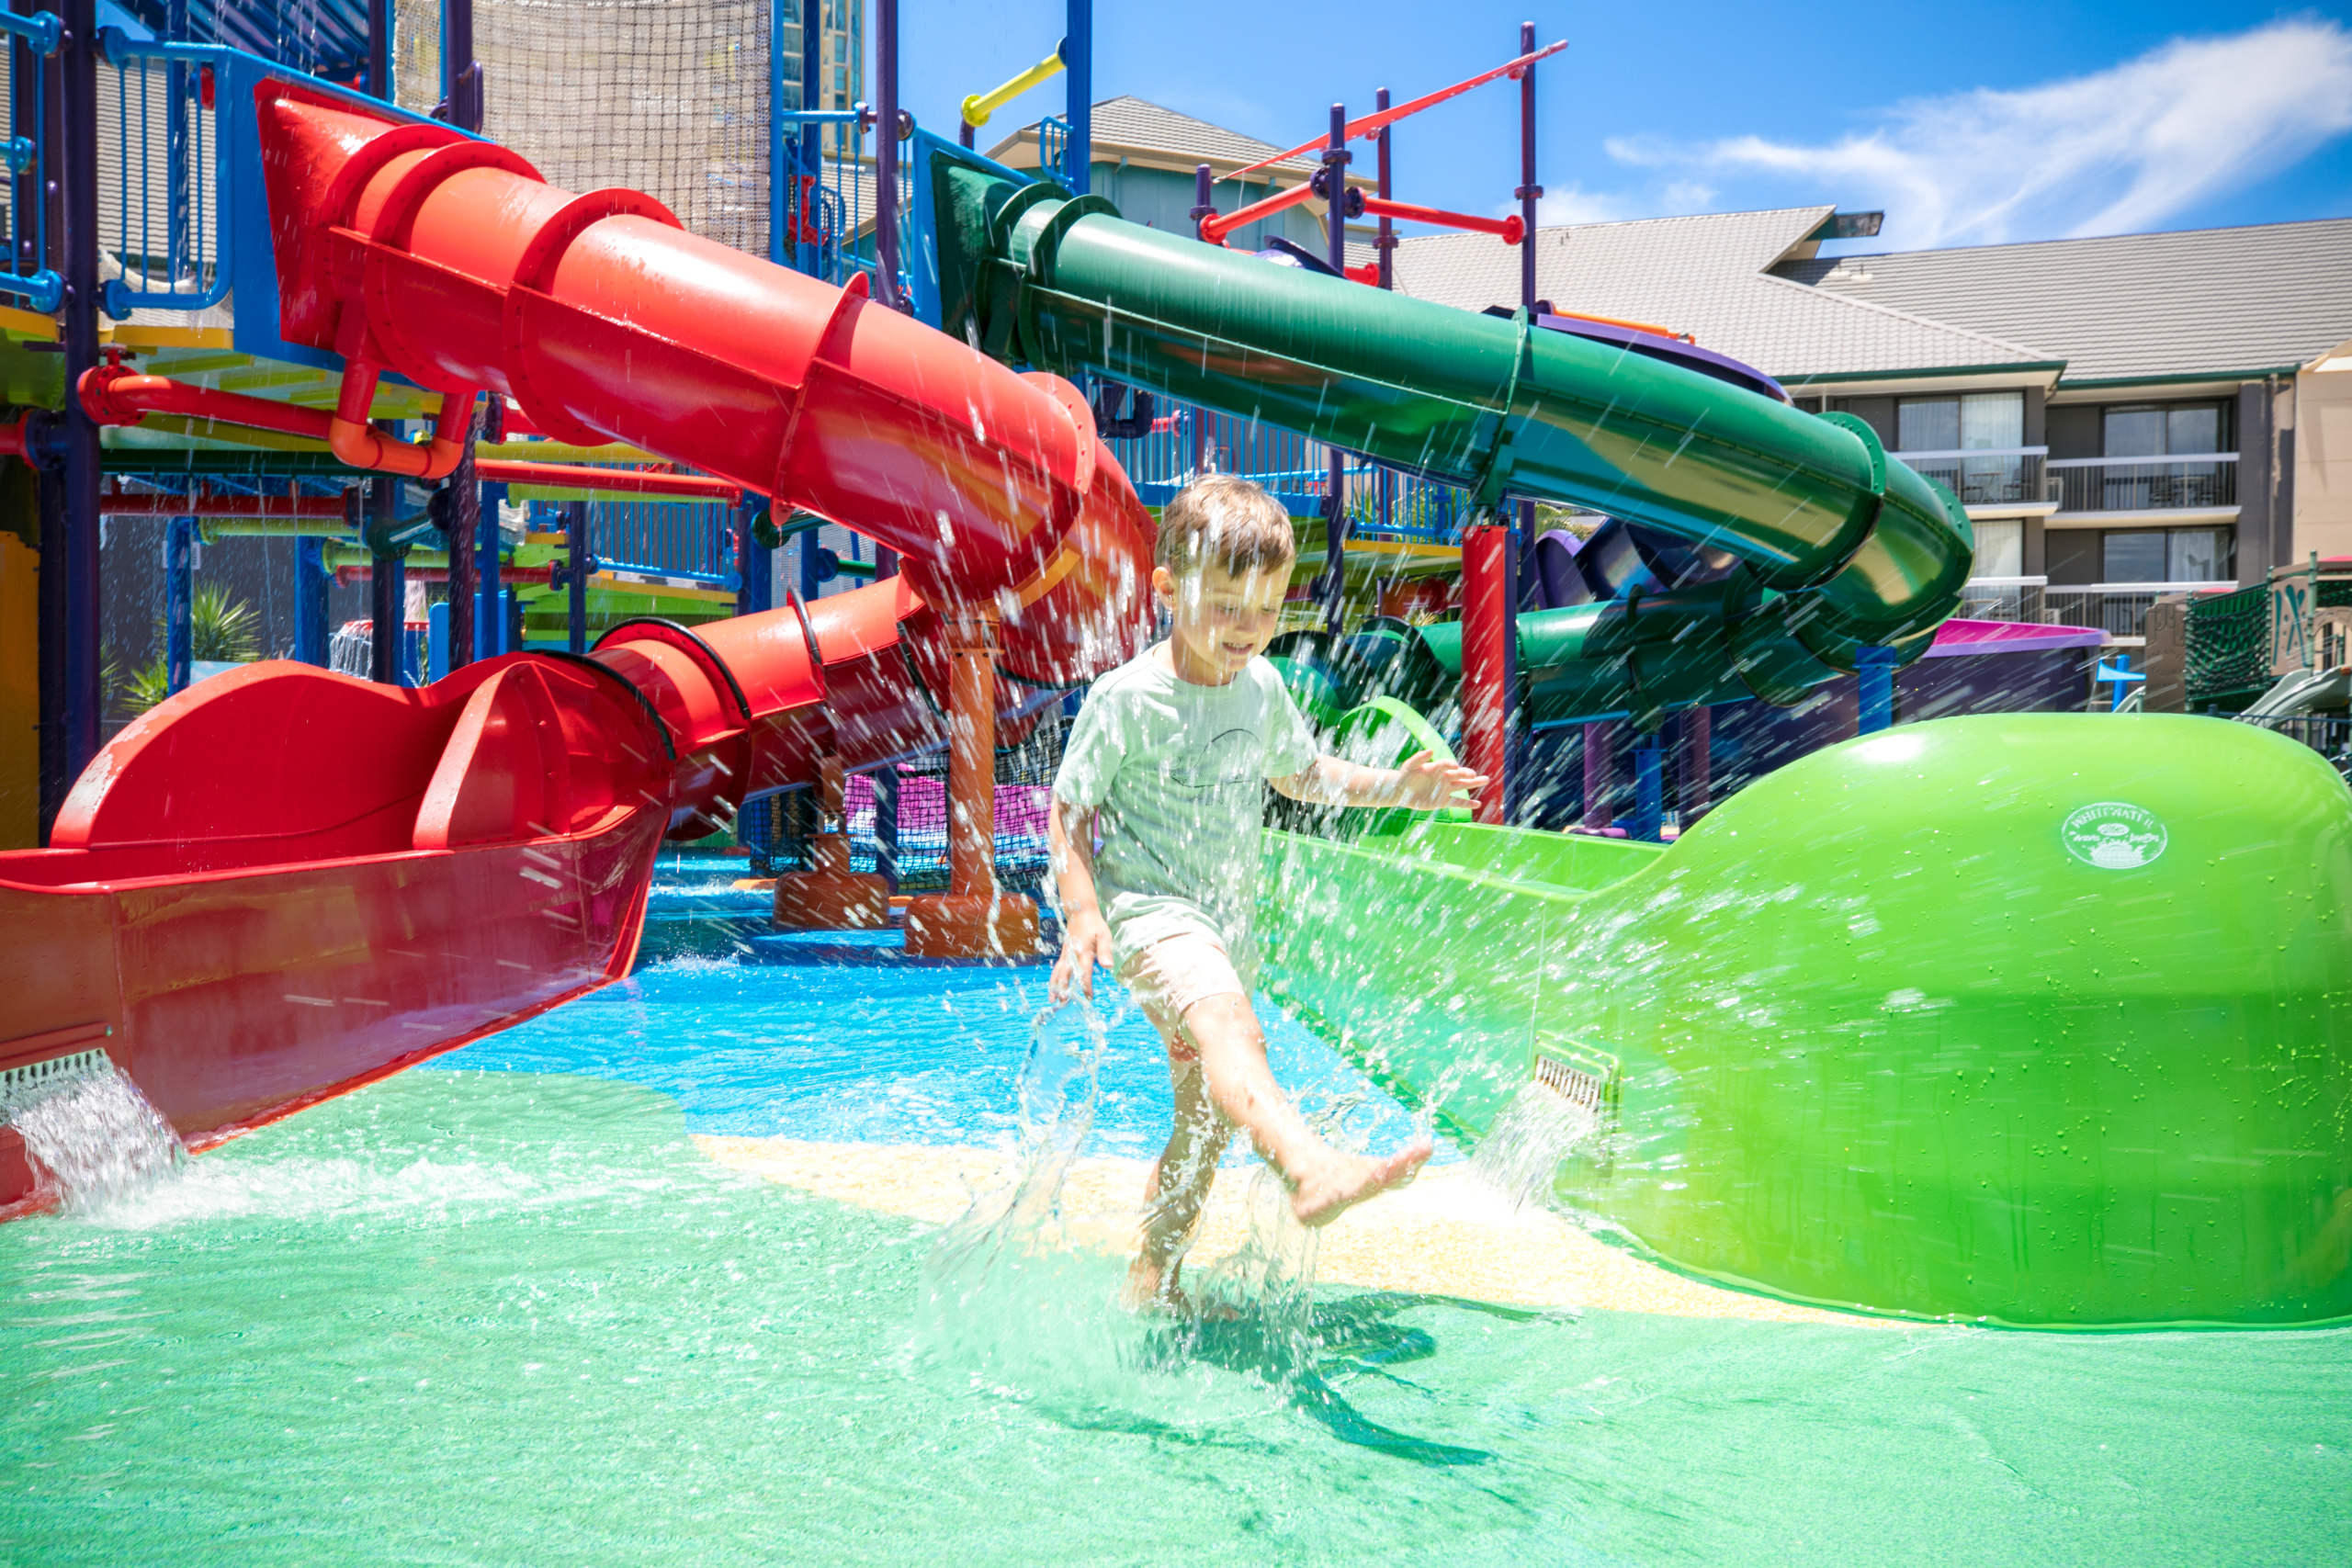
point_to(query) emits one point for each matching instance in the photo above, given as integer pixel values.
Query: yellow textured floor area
(1442, 1236)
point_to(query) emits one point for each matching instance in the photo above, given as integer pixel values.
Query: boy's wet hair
(1227, 522)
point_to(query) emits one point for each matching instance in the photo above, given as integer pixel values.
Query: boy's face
(1222, 621)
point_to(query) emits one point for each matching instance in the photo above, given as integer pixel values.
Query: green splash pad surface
(498, 1317)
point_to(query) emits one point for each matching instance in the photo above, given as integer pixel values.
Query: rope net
(665, 97)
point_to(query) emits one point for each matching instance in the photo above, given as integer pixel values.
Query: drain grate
(1571, 1084)
(21, 1086)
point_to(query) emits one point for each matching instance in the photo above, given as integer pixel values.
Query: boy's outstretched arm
(1086, 936)
(1423, 782)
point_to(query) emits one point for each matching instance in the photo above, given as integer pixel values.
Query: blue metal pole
(1875, 672)
(885, 154)
(179, 602)
(310, 579)
(1336, 158)
(489, 610)
(1078, 60)
(811, 255)
(387, 587)
(1647, 822)
(809, 586)
(76, 559)
(579, 566)
(781, 158)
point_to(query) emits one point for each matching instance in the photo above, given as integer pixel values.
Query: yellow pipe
(979, 106)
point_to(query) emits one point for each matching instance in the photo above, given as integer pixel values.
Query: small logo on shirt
(1232, 758)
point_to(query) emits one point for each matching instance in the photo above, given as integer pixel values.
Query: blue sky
(1988, 122)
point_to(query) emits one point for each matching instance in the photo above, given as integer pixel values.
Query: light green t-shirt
(1175, 773)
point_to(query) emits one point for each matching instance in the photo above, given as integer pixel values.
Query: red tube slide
(281, 883)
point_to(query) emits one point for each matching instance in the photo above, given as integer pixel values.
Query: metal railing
(2331, 738)
(159, 196)
(2146, 484)
(28, 274)
(2117, 608)
(2000, 476)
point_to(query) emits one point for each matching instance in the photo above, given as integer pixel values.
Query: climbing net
(665, 97)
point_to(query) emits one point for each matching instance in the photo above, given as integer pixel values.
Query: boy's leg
(1179, 1185)
(1240, 1085)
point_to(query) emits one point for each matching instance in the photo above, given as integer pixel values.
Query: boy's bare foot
(1321, 1194)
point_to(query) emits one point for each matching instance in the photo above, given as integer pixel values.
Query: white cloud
(1574, 205)
(2111, 152)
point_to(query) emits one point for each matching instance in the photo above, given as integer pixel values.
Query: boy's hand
(1426, 784)
(1086, 941)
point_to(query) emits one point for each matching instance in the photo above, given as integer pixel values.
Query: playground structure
(242, 936)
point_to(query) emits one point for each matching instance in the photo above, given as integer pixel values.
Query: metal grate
(1572, 1084)
(35, 1080)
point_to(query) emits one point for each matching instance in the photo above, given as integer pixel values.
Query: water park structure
(1850, 1040)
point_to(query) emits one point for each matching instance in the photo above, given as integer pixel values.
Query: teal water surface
(506, 1313)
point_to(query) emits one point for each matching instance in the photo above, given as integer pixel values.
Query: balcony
(1997, 475)
(2120, 609)
(2205, 482)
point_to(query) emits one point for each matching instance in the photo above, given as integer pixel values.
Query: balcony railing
(2120, 609)
(1999, 476)
(2146, 484)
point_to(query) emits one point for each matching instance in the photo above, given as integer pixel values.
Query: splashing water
(93, 1139)
(1536, 1131)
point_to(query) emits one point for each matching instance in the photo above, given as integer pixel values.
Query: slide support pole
(1600, 775)
(1485, 658)
(1336, 158)
(975, 919)
(1647, 822)
(1694, 773)
(1875, 673)
(885, 154)
(1078, 59)
(310, 579)
(179, 602)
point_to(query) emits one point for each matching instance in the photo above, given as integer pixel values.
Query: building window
(2158, 431)
(1972, 422)
(2169, 555)
(2000, 549)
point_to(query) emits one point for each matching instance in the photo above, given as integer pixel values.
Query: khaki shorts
(1171, 974)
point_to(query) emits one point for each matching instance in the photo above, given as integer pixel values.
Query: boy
(1169, 758)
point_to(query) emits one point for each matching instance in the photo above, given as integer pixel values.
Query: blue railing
(30, 39)
(1184, 441)
(817, 200)
(174, 198)
(1053, 148)
(692, 541)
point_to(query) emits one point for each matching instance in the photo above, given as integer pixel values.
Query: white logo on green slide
(2113, 836)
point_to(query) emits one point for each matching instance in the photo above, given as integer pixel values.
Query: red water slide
(282, 882)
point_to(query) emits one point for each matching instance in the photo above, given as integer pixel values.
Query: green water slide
(1841, 547)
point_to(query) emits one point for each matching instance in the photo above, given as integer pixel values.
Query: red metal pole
(1485, 658)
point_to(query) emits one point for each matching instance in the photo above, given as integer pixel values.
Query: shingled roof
(1131, 126)
(2223, 302)
(1710, 275)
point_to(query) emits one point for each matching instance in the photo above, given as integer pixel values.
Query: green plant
(219, 628)
(223, 629)
(143, 688)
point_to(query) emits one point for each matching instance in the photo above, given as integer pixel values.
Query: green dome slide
(2033, 1019)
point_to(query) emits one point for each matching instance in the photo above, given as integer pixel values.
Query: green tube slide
(2032, 1019)
(1842, 548)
